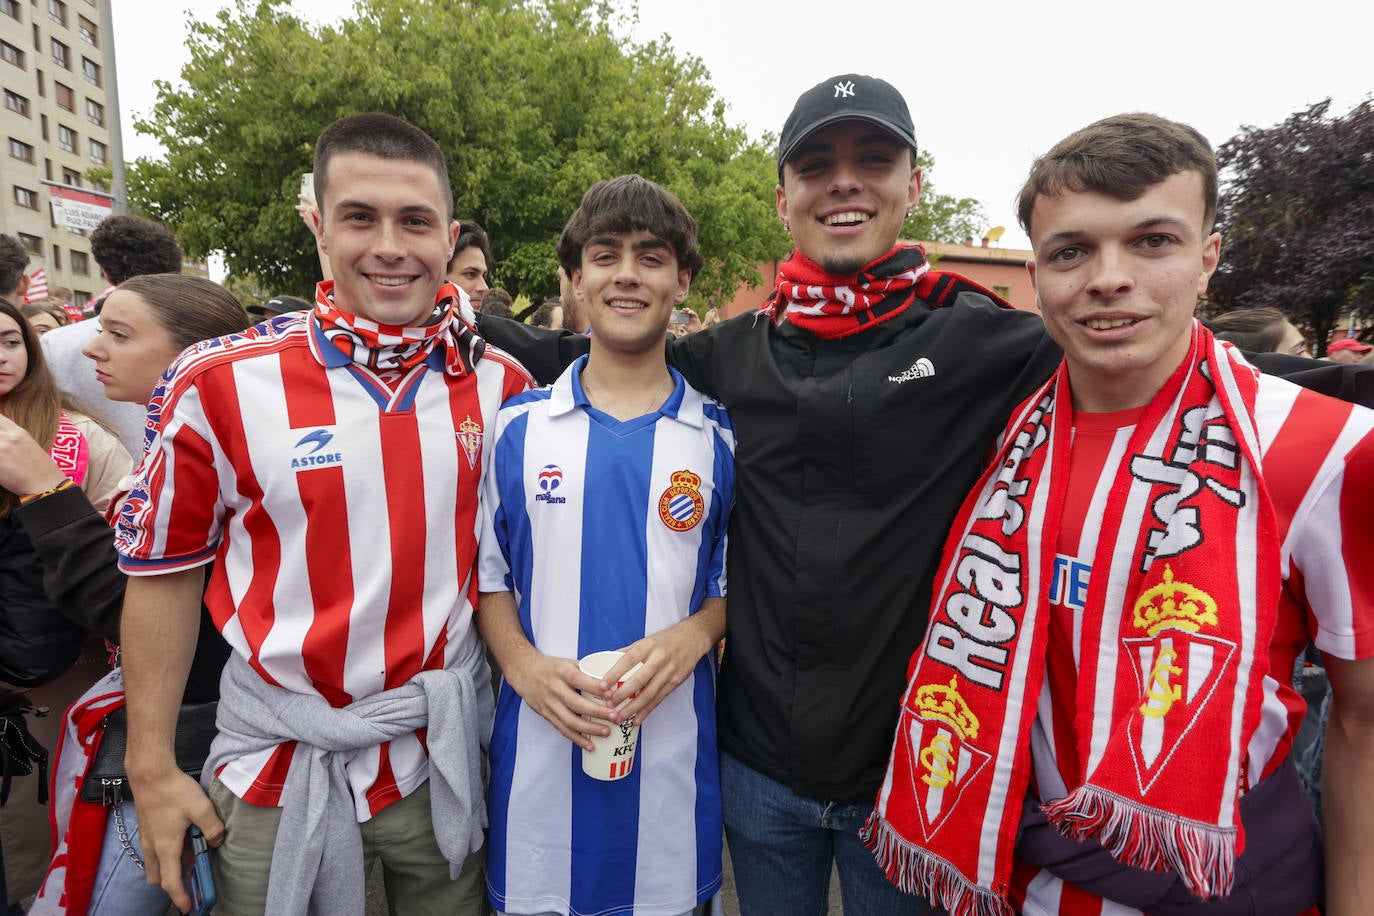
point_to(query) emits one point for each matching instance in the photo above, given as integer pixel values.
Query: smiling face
(384, 226)
(628, 285)
(845, 193)
(1117, 282)
(14, 358)
(132, 350)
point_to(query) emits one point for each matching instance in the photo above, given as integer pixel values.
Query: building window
(1003, 291)
(56, 257)
(95, 112)
(42, 87)
(66, 138)
(11, 55)
(20, 150)
(16, 103)
(25, 198)
(71, 177)
(98, 154)
(57, 12)
(10, 8)
(66, 99)
(80, 263)
(61, 54)
(32, 243)
(91, 70)
(88, 31)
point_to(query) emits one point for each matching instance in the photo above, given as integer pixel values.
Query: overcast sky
(990, 84)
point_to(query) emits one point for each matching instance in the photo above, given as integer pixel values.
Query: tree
(940, 217)
(531, 100)
(1297, 218)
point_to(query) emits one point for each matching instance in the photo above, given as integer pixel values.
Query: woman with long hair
(144, 325)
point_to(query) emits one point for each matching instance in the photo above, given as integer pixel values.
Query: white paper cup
(614, 756)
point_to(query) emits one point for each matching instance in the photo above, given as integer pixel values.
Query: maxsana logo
(550, 479)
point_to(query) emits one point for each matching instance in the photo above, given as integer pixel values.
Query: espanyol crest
(681, 506)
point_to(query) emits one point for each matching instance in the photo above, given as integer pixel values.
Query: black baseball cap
(851, 96)
(279, 305)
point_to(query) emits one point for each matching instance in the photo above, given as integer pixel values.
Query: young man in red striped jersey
(1101, 717)
(328, 464)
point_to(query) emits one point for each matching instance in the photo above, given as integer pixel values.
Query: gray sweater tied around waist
(317, 863)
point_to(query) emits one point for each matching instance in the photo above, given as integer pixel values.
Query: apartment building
(56, 119)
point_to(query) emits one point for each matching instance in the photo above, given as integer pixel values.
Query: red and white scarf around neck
(1180, 610)
(389, 350)
(832, 306)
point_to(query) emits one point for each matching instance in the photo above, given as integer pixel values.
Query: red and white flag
(38, 286)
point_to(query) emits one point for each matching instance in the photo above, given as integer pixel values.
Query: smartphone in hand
(196, 876)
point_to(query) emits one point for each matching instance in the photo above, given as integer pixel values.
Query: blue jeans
(782, 846)
(121, 887)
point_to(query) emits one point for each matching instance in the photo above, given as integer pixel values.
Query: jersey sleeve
(172, 518)
(1333, 550)
(724, 499)
(493, 550)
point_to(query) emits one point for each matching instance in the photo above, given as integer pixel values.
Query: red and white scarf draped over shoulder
(1179, 615)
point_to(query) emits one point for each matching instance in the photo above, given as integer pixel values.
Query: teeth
(846, 219)
(1105, 324)
(391, 281)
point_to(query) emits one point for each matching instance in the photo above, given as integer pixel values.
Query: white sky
(990, 84)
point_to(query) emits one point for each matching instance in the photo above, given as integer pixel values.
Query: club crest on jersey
(469, 434)
(941, 760)
(1177, 668)
(681, 506)
(550, 479)
(313, 450)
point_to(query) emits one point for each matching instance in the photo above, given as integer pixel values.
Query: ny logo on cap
(844, 90)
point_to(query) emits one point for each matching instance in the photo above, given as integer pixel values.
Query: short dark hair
(469, 235)
(627, 204)
(1258, 330)
(1122, 156)
(13, 262)
(543, 316)
(189, 309)
(381, 135)
(128, 246)
(497, 302)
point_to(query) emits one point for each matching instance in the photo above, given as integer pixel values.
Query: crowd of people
(1020, 633)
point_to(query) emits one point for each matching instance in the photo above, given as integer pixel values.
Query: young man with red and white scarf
(1100, 718)
(329, 464)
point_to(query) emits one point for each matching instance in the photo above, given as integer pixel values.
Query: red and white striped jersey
(340, 513)
(1317, 457)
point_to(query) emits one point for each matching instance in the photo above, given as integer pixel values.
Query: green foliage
(101, 177)
(1296, 219)
(532, 101)
(940, 217)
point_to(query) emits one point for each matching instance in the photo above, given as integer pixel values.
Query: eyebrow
(9, 334)
(364, 205)
(1154, 222)
(613, 241)
(877, 137)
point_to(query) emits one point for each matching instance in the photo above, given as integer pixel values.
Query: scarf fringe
(918, 871)
(1202, 855)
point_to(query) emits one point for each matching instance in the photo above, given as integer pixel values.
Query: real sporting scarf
(391, 350)
(1180, 610)
(834, 305)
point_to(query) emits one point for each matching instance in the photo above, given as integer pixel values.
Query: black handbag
(106, 782)
(20, 753)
